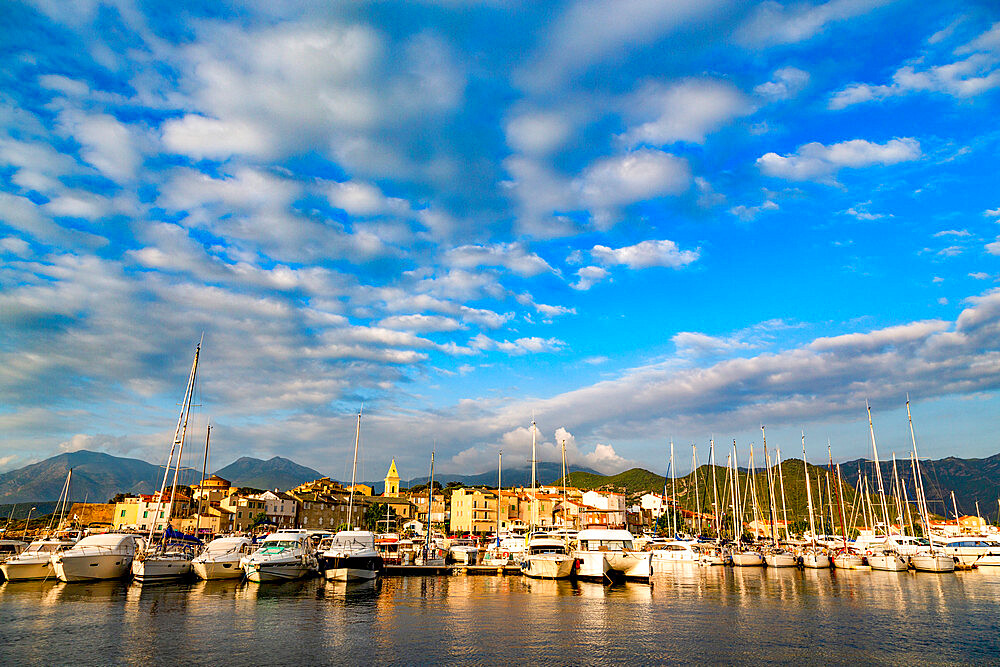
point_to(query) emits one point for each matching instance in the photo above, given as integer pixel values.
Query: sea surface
(715, 615)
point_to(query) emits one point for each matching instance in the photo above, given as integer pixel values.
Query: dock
(424, 570)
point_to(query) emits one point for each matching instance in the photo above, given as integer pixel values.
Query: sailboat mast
(673, 492)
(201, 487)
(354, 473)
(809, 495)
(958, 525)
(179, 434)
(564, 481)
(694, 475)
(737, 508)
(534, 495)
(430, 505)
(499, 493)
(784, 509)
(898, 486)
(878, 471)
(715, 495)
(919, 479)
(772, 514)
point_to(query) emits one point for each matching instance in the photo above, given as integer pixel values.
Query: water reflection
(687, 613)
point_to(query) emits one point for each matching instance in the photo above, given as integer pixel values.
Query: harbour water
(690, 614)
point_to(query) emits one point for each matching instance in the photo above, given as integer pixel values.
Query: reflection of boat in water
(608, 554)
(282, 556)
(221, 558)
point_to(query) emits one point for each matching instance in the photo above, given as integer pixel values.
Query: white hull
(26, 570)
(349, 574)
(932, 563)
(989, 560)
(92, 567)
(748, 559)
(848, 562)
(217, 569)
(160, 568)
(548, 566)
(262, 573)
(632, 564)
(593, 565)
(887, 562)
(464, 555)
(815, 561)
(780, 560)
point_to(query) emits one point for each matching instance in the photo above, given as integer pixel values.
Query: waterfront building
(324, 511)
(143, 511)
(473, 511)
(280, 508)
(439, 512)
(245, 510)
(604, 508)
(212, 492)
(360, 489)
(392, 481)
(397, 510)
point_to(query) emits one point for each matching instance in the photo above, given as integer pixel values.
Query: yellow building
(474, 511)
(212, 492)
(392, 481)
(361, 489)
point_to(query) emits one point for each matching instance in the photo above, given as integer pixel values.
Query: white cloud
(750, 213)
(992, 213)
(424, 323)
(646, 254)
(815, 161)
(611, 183)
(993, 248)
(966, 77)
(364, 199)
(773, 23)
(537, 133)
(531, 344)
(952, 232)
(786, 83)
(515, 257)
(685, 111)
(979, 275)
(589, 276)
(106, 143)
(201, 137)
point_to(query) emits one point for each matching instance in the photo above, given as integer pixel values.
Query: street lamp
(25, 533)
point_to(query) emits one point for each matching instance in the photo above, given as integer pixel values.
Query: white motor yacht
(221, 558)
(11, 548)
(350, 555)
(609, 553)
(970, 550)
(547, 558)
(104, 556)
(35, 562)
(463, 550)
(282, 556)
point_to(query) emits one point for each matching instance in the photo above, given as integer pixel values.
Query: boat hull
(350, 568)
(27, 570)
(815, 561)
(887, 562)
(781, 560)
(848, 562)
(592, 565)
(217, 569)
(548, 567)
(748, 559)
(153, 569)
(92, 567)
(464, 555)
(932, 563)
(262, 573)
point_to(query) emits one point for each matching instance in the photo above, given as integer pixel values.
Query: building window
(123, 512)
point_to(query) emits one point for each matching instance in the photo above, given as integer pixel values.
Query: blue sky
(635, 220)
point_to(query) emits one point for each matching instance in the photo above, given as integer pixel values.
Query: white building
(279, 507)
(611, 504)
(655, 502)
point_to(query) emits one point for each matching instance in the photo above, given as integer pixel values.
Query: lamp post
(25, 533)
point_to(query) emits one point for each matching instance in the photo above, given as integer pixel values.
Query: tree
(119, 497)
(258, 518)
(373, 514)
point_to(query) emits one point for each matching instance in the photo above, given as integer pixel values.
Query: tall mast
(430, 505)
(898, 486)
(201, 487)
(770, 491)
(534, 495)
(354, 473)
(752, 484)
(918, 481)
(180, 432)
(878, 471)
(809, 495)
(499, 493)
(564, 479)
(715, 495)
(737, 508)
(61, 503)
(784, 509)
(673, 491)
(958, 526)
(694, 475)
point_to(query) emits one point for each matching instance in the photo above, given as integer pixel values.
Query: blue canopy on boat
(172, 535)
